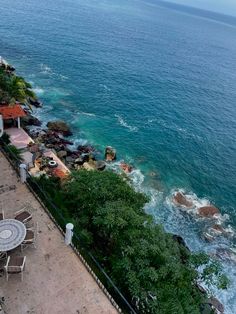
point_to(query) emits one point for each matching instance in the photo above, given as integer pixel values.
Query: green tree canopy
(156, 273)
(14, 88)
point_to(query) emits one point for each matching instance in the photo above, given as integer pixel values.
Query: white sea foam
(38, 90)
(77, 142)
(87, 114)
(137, 178)
(45, 69)
(125, 124)
(63, 77)
(105, 87)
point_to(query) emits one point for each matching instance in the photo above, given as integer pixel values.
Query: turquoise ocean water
(156, 81)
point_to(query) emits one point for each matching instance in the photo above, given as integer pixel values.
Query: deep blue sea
(156, 81)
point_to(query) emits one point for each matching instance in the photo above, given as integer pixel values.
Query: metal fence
(89, 260)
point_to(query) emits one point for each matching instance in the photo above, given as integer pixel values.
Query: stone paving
(55, 280)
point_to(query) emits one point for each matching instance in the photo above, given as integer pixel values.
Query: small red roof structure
(59, 173)
(11, 112)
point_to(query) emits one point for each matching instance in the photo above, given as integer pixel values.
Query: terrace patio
(19, 137)
(55, 280)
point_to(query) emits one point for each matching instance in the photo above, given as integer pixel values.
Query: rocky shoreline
(55, 137)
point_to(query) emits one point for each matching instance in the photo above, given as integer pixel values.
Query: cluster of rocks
(59, 126)
(35, 102)
(54, 137)
(6, 67)
(214, 227)
(30, 120)
(208, 211)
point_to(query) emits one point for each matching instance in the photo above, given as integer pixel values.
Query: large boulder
(208, 211)
(100, 165)
(126, 168)
(110, 153)
(89, 166)
(60, 127)
(181, 200)
(30, 120)
(35, 102)
(216, 305)
(62, 154)
(79, 161)
(180, 241)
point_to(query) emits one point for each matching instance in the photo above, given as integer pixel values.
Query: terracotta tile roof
(12, 112)
(59, 173)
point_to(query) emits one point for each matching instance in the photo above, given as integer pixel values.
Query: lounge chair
(30, 238)
(23, 216)
(15, 265)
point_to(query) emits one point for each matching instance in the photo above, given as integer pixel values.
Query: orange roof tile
(12, 112)
(59, 173)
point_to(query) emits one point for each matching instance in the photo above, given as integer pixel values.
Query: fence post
(69, 233)
(23, 173)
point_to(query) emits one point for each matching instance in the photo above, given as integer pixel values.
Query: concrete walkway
(55, 280)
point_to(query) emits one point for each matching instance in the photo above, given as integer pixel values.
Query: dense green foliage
(155, 272)
(14, 88)
(6, 138)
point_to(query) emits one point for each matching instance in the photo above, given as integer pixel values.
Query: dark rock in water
(216, 305)
(30, 120)
(10, 68)
(85, 149)
(226, 254)
(79, 161)
(126, 168)
(60, 127)
(208, 237)
(100, 165)
(65, 142)
(181, 241)
(180, 199)
(110, 153)
(208, 211)
(210, 305)
(35, 102)
(85, 157)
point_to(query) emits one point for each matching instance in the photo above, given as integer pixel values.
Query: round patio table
(12, 234)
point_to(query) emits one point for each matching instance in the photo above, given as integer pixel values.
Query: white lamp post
(69, 233)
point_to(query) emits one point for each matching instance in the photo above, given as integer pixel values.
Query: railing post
(23, 173)
(69, 233)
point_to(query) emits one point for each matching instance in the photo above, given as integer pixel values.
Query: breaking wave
(46, 70)
(125, 124)
(38, 90)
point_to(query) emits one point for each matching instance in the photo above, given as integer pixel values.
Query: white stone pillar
(69, 233)
(18, 122)
(1, 125)
(23, 173)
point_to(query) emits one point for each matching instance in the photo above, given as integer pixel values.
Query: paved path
(55, 280)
